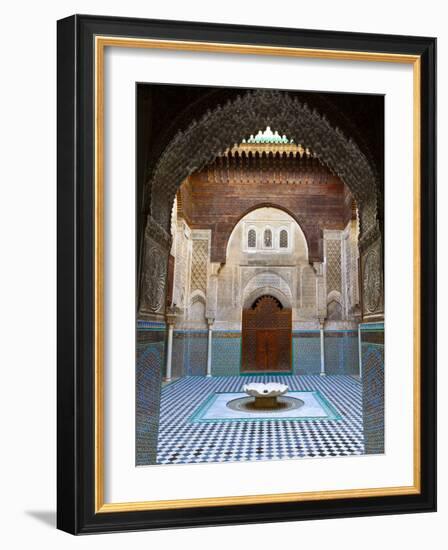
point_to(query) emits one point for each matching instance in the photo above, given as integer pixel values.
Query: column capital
(318, 268)
(170, 319)
(171, 315)
(210, 321)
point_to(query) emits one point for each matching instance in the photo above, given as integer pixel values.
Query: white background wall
(27, 277)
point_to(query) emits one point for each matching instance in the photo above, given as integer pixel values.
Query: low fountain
(266, 395)
(268, 398)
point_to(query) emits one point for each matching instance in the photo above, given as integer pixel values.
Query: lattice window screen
(333, 265)
(283, 238)
(252, 238)
(199, 266)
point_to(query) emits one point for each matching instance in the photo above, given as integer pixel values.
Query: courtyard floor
(195, 425)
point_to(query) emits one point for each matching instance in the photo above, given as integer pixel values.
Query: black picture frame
(76, 262)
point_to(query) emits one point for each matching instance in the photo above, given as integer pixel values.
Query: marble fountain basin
(265, 395)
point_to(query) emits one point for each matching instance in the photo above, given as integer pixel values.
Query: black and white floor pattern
(182, 441)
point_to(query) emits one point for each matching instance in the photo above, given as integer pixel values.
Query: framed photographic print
(246, 274)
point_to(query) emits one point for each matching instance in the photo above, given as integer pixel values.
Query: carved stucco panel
(154, 278)
(372, 281)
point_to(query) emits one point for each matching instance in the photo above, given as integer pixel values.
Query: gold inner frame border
(101, 42)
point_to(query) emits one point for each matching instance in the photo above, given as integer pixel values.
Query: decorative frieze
(271, 167)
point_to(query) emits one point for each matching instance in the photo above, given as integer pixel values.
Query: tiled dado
(142, 325)
(341, 352)
(306, 352)
(149, 368)
(226, 353)
(372, 351)
(190, 352)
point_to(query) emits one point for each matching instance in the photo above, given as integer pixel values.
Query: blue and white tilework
(372, 346)
(182, 440)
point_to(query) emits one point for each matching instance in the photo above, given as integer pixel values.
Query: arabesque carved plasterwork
(154, 279)
(372, 281)
(227, 125)
(157, 245)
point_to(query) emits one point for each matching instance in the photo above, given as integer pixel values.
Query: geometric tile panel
(190, 352)
(306, 352)
(149, 367)
(182, 440)
(341, 352)
(226, 353)
(372, 349)
(195, 363)
(180, 343)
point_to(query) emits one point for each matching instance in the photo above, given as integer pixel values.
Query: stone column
(322, 349)
(210, 313)
(170, 319)
(359, 351)
(169, 353)
(210, 322)
(321, 292)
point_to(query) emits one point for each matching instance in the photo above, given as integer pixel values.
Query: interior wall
(208, 293)
(220, 195)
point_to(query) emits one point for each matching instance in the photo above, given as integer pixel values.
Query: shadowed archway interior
(228, 125)
(260, 257)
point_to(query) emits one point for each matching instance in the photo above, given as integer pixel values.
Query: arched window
(283, 238)
(251, 238)
(267, 238)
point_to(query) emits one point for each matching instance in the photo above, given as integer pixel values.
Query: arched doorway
(266, 336)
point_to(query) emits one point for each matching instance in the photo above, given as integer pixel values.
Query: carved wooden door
(267, 350)
(266, 336)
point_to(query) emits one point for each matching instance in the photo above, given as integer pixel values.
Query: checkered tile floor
(181, 441)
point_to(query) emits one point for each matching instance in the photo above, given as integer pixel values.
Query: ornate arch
(334, 296)
(197, 296)
(267, 282)
(285, 300)
(257, 206)
(226, 126)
